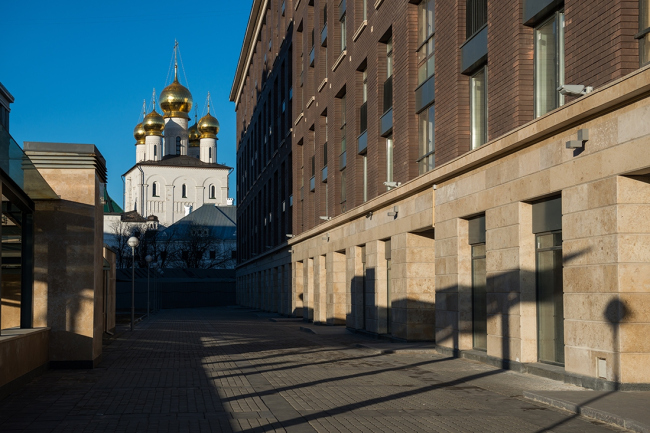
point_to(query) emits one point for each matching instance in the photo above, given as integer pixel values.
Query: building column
(336, 285)
(297, 292)
(606, 250)
(510, 283)
(308, 287)
(354, 286)
(320, 289)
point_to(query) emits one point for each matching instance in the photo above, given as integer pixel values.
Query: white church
(176, 169)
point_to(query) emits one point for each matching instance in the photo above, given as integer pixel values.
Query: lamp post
(148, 259)
(133, 242)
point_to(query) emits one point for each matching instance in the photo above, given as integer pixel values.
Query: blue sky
(80, 70)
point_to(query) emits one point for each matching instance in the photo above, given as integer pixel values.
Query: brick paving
(222, 369)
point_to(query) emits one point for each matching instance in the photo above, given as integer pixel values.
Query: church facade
(175, 167)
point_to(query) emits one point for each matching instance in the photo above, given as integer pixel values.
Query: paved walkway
(234, 370)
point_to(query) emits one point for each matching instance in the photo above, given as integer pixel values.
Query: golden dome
(208, 126)
(154, 123)
(194, 135)
(176, 100)
(139, 134)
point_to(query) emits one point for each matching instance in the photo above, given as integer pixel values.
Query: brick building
(471, 172)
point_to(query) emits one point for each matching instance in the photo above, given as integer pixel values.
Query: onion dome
(208, 126)
(176, 100)
(194, 135)
(139, 134)
(154, 123)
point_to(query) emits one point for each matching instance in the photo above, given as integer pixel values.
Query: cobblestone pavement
(226, 369)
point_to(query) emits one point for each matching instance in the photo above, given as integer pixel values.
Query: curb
(589, 412)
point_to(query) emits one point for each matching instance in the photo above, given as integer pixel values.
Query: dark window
(154, 189)
(178, 145)
(184, 191)
(476, 16)
(212, 191)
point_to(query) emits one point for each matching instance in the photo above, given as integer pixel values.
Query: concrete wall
(22, 351)
(68, 261)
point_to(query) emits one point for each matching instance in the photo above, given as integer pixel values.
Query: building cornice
(252, 31)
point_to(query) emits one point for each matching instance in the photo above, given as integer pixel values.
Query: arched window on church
(178, 145)
(155, 152)
(184, 191)
(209, 153)
(154, 189)
(213, 192)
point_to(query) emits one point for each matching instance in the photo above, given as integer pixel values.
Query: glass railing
(20, 169)
(311, 57)
(324, 174)
(312, 183)
(323, 36)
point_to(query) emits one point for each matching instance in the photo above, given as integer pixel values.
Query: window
(550, 309)
(344, 33)
(155, 151)
(365, 10)
(363, 110)
(426, 132)
(365, 177)
(178, 145)
(343, 190)
(343, 123)
(209, 153)
(476, 16)
(212, 192)
(184, 191)
(644, 32)
(478, 107)
(154, 189)
(389, 159)
(426, 56)
(549, 64)
(388, 84)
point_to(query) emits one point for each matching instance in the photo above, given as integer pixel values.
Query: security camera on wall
(574, 89)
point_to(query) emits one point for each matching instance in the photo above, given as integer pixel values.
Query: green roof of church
(109, 204)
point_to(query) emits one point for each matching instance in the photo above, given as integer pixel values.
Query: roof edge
(252, 29)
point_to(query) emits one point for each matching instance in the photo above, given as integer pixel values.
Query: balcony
(323, 36)
(312, 184)
(342, 160)
(311, 57)
(362, 142)
(386, 123)
(323, 177)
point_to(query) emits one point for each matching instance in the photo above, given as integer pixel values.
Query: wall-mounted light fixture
(290, 235)
(392, 184)
(325, 218)
(583, 137)
(369, 215)
(326, 238)
(394, 212)
(574, 89)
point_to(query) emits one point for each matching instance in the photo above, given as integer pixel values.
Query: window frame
(484, 138)
(644, 32)
(559, 61)
(426, 41)
(426, 161)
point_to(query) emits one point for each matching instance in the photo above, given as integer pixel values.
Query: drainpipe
(228, 183)
(123, 194)
(142, 209)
